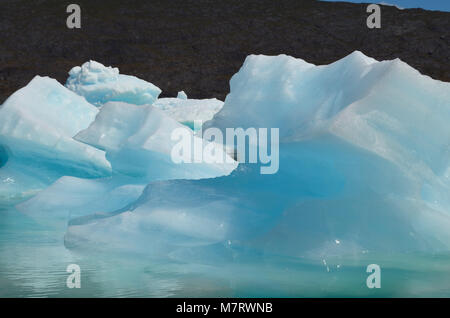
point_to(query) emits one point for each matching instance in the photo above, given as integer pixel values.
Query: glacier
(100, 84)
(364, 170)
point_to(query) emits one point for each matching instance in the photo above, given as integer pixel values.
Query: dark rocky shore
(197, 45)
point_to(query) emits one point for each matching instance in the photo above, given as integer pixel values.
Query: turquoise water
(33, 262)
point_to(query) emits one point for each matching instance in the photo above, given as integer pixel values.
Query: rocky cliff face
(197, 45)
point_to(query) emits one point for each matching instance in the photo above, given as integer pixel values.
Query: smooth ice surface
(37, 124)
(186, 110)
(138, 142)
(71, 197)
(364, 159)
(100, 84)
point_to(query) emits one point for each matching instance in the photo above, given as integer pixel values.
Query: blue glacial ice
(100, 84)
(138, 142)
(37, 124)
(364, 162)
(104, 156)
(138, 145)
(364, 168)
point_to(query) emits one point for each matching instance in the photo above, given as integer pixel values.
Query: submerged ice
(364, 162)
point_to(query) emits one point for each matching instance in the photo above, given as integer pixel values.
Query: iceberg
(37, 124)
(100, 84)
(364, 168)
(363, 177)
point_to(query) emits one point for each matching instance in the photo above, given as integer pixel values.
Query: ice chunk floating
(37, 124)
(100, 84)
(364, 160)
(364, 178)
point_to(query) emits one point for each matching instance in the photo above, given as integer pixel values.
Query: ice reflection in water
(33, 262)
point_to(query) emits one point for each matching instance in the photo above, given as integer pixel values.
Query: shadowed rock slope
(197, 45)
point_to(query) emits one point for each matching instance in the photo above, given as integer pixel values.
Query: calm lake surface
(33, 263)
